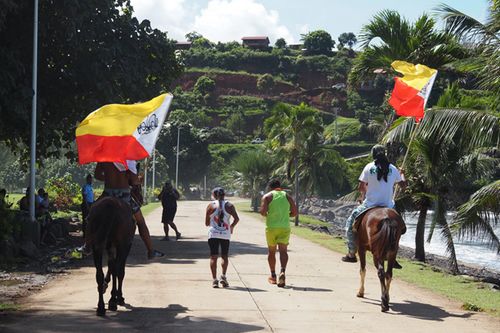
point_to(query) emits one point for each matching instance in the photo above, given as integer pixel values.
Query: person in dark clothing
(169, 196)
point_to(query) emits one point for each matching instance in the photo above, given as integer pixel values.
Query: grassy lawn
(150, 207)
(475, 296)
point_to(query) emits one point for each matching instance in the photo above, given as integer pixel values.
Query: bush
(204, 86)
(63, 192)
(265, 82)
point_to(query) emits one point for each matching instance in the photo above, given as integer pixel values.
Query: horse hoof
(385, 308)
(101, 312)
(112, 306)
(360, 295)
(121, 301)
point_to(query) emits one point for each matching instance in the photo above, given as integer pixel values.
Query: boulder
(28, 249)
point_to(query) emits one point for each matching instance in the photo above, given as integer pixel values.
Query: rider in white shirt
(376, 187)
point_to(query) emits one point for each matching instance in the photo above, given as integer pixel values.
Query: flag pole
(412, 136)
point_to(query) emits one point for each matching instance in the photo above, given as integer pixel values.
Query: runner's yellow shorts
(276, 236)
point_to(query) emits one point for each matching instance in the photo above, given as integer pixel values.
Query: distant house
(182, 45)
(295, 46)
(256, 42)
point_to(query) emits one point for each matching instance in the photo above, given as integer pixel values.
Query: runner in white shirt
(217, 218)
(376, 187)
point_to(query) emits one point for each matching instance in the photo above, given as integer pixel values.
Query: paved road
(174, 294)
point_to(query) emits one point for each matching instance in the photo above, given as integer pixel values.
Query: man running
(277, 206)
(217, 218)
(376, 184)
(117, 180)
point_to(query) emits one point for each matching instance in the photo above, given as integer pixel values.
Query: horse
(379, 230)
(110, 228)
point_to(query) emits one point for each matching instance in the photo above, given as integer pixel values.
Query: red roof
(255, 38)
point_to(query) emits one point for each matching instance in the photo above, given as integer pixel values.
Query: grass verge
(8, 307)
(150, 207)
(474, 295)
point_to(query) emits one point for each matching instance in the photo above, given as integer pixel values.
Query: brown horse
(378, 231)
(110, 228)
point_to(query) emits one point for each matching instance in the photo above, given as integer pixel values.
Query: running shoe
(215, 284)
(223, 281)
(281, 280)
(272, 279)
(178, 236)
(155, 254)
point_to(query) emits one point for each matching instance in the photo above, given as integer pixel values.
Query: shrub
(265, 82)
(63, 192)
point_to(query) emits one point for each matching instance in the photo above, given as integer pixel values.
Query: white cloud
(227, 20)
(220, 20)
(171, 16)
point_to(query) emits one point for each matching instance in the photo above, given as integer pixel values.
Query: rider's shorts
(122, 194)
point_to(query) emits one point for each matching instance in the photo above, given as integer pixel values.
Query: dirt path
(174, 294)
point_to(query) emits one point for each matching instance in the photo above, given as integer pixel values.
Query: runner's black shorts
(214, 243)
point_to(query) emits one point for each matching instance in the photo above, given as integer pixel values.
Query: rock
(327, 215)
(28, 249)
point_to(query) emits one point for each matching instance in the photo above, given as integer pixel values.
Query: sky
(228, 20)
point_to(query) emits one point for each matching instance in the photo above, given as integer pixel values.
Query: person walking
(217, 218)
(376, 186)
(87, 201)
(277, 207)
(168, 197)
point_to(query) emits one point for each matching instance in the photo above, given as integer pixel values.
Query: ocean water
(468, 251)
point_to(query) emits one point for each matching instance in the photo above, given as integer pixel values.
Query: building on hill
(182, 45)
(256, 42)
(296, 46)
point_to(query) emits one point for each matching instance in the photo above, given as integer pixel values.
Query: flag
(412, 91)
(121, 132)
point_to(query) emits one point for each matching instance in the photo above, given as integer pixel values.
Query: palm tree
(417, 42)
(253, 169)
(444, 151)
(482, 41)
(479, 215)
(287, 129)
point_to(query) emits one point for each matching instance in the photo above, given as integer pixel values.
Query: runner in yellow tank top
(277, 206)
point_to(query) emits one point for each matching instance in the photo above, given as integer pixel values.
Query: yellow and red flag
(411, 91)
(120, 132)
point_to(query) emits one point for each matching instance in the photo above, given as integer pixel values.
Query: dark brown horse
(379, 231)
(110, 229)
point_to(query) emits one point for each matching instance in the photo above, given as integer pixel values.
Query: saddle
(358, 219)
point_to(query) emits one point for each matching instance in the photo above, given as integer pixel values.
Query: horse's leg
(379, 263)
(99, 276)
(107, 279)
(121, 263)
(391, 259)
(362, 270)
(112, 305)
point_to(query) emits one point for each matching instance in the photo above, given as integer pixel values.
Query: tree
(192, 36)
(318, 42)
(280, 43)
(482, 41)
(254, 169)
(480, 215)
(204, 85)
(446, 152)
(202, 42)
(398, 39)
(287, 130)
(347, 38)
(194, 157)
(265, 82)
(91, 53)
(236, 123)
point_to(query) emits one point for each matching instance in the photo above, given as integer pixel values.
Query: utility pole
(154, 171)
(296, 163)
(177, 157)
(33, 121)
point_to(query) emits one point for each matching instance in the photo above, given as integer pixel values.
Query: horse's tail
(386, 237)
(102, 219)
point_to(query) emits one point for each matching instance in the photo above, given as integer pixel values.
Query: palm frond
(460, 24)
(478, 216)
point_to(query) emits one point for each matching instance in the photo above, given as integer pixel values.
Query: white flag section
(148, 130)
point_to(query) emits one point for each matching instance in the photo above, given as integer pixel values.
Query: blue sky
(225, 20)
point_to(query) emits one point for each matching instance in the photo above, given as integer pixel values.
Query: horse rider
(376, 186)
(118, 178)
